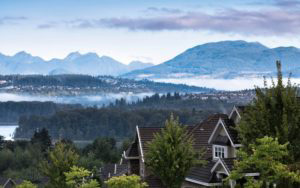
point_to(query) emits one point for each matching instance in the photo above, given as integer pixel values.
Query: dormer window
(219, 151)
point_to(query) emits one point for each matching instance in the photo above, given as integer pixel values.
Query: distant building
(9, 183)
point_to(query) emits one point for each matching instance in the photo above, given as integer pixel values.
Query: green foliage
(11, 111)
(17, 161)
(170, 154)
(23, 159)
(90, 161)
(126, 182)
(104, 149)
(90, 184)
(119, 120)
(266, 159)
(275, 112)
(91, 123)
(26, 184)
(61, 159)
(42, 138)
(78, 177)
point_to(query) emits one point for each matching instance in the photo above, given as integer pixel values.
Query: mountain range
(225, 59)
(74, 63)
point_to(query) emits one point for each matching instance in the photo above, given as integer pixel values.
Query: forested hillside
(12, 111)
(120, 119)
(74, 85)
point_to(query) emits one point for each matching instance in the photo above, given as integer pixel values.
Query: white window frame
(221, 150)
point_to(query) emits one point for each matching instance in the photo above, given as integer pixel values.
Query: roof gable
(132, 152)
(5, 181)
(226, 125)
(234, 111)
(226, 163)
(220, 163)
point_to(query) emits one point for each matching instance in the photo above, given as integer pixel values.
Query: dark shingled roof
(132, 151)
(203, 131)
(202, 173)
(111, 170)
(147, 134)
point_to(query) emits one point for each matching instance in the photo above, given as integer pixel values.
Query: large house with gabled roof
(218, 137)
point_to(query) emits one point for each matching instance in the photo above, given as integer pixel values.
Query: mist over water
(225, 84)
(86, 100)
(107, 98)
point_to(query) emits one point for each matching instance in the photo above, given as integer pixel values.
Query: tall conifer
(275, 112)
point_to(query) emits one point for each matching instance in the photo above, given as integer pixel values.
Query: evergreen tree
(42, 138)
(275, 112)
(61, 159)
(171, 154)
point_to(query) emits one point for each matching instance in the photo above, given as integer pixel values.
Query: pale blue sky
(147, 30)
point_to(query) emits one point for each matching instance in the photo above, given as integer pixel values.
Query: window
(220, 152)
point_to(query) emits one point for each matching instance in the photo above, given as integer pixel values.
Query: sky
(146, 30)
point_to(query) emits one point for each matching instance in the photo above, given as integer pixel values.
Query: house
(216, 135)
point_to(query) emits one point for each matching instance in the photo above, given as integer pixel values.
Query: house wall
(222, 132)
(134, 166)
(231, 152)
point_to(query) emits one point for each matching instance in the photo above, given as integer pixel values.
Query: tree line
(90, 123)
(175, 101)
(11, 111)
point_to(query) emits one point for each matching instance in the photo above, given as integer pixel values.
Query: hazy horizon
(147, 31)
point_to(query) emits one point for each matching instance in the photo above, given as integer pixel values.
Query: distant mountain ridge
(225, 59)
(74, 63)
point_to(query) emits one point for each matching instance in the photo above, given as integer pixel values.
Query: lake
(7, 131)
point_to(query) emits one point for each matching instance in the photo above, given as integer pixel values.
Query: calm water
(7, 131)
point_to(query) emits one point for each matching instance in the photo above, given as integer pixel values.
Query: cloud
(287, 3)
(164, 10)
(48, 25)
(11, 19)
(83, 23)
(260, 22)
(272, 20)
